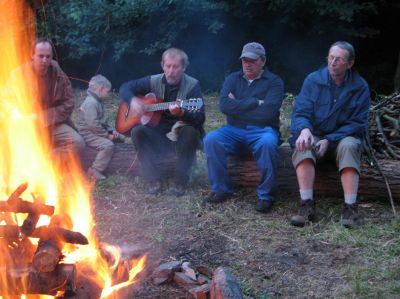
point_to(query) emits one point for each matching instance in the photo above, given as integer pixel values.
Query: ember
(47, 235)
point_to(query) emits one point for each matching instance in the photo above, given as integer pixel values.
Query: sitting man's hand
(322, 147)
(305, 140)
(137, 106)
(231, 96)
(176, 110)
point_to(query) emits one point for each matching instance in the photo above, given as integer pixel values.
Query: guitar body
(147, 110)
(128, 117)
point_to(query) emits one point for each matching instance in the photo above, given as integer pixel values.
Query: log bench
(244, 173)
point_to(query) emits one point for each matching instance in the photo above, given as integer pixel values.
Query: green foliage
(123, 26)
(146, 26)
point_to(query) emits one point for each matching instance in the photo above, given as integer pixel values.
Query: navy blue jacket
(245, 109)
(315, 109)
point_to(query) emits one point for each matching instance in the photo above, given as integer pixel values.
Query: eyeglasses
(337, 59)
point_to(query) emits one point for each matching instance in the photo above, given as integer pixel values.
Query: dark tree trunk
(244, 173)
(397, 76)
(125, 160)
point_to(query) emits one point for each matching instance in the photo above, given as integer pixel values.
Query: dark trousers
(152, 145)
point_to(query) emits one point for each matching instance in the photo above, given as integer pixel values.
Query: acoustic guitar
(147, 110)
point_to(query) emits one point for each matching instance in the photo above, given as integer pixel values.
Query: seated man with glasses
(329, 120)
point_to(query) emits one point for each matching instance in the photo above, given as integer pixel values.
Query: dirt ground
(269, 257)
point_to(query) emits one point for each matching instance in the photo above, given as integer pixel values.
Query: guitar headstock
(192, 105)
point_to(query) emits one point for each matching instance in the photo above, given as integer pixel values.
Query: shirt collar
(258, 77)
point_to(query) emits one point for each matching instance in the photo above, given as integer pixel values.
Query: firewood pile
(383, 139)
(198, 281)
(27, 268)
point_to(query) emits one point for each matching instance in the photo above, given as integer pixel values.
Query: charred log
(47, 256)
(49, 250)
(26, 280)
(29, 224)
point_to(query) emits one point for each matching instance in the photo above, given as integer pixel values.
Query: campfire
(48, 243)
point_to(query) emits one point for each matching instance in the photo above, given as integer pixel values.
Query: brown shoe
(305, 213)
(350, 217)
(94, 174)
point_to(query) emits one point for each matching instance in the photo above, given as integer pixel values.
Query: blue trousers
(230, 140)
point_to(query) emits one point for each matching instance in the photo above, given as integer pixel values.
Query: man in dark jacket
(251, 100)
(329, 119)
(178, 128)
(54, 95)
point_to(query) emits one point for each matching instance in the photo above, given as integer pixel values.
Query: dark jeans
(151, 144)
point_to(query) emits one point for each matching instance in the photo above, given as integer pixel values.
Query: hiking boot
(350, 217)
(154, 188)
(177, 190)
(94, 174)
(264, 206)
(305, 213)
(215, 198)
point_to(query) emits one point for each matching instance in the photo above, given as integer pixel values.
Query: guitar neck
(160, 106)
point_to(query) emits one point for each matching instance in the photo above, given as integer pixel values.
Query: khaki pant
(66, 138)
(347, 154)
(105, 148)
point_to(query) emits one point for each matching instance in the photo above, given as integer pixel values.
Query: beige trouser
(347, 154)
(105, 148)
(65, 138)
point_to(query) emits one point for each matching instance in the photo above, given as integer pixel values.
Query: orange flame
(27, 156)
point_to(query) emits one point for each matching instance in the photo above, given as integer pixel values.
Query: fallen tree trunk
(243, 171)
(125, 160)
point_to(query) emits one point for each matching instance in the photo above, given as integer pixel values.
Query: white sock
(350, 199)
(306, 194)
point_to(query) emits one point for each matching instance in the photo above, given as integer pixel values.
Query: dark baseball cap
(253, 51)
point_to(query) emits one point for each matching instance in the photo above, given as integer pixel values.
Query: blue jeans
(230, 140)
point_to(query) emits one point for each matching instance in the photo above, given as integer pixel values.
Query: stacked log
(384, 124)
(30, 269)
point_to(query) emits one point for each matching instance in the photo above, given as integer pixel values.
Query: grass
(269, 258)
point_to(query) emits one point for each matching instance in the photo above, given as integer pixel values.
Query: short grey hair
(98, 81)
(175, 52)
(345, 46)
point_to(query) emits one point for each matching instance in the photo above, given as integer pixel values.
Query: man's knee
(303, 158)
(349, 144)
(210, 141)
(107, 145)
(78, 142)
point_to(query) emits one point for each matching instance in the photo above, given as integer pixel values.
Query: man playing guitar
(151, 139)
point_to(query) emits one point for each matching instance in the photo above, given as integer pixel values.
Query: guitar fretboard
(160, 106)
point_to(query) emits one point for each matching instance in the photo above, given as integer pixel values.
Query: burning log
(20, 206)
(26, 280)
(29, 224)
(17, 193)
(44, 232)
(47, 256)
(49, 251)
(60, 234)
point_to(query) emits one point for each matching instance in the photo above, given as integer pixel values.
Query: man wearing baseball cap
(250, 99)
